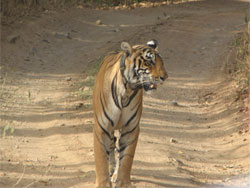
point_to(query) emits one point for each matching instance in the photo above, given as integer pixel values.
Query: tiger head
(142, 66)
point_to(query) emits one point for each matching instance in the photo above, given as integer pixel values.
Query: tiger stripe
(103, 129)
(106, 115)
(114, 94)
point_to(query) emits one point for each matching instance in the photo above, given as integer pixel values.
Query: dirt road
(193, 134)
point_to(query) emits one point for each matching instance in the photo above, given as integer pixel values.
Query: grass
(85, 86)
(7, 129)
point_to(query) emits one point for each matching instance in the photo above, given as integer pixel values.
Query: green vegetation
(95, 67)
(86, 85)
(6, 129)
(247, 17)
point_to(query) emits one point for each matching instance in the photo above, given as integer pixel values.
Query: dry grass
(242, 69)
(16, 8)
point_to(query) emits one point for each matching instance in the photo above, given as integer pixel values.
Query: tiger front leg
(127, 145)
(112, 162)
(102, 143)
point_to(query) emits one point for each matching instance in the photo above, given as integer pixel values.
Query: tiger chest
(131, 110)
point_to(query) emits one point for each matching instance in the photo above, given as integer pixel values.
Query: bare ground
(193, 133)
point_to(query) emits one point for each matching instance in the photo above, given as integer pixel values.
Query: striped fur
(117, 103)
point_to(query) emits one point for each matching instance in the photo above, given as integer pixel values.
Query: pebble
(68, 35)
(98, 22)
(45, 40)
(172, 140)
(174, 103)
(68, 79)
(88, 78)
(13, 38)
(116, 30)
(86, 89)
(26, 59)
(79, 105)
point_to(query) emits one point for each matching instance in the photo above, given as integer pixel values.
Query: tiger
(117, 105)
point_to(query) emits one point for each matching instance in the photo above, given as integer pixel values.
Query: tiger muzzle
(149, 86)
(153, 84)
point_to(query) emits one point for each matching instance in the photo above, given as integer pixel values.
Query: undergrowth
(45, 4)
(13, 9)
(242, 67)
(85, 86)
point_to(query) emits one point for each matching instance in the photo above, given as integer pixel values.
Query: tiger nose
(164, 77)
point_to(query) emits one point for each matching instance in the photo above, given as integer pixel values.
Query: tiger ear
(126, 47)
(153, 44)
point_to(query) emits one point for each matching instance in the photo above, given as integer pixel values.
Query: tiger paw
(121, 184)
(106, 184)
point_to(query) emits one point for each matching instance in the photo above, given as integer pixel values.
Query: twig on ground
(21, 177)
(39, 178)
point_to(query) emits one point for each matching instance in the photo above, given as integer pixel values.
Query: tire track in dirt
(189, 132)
